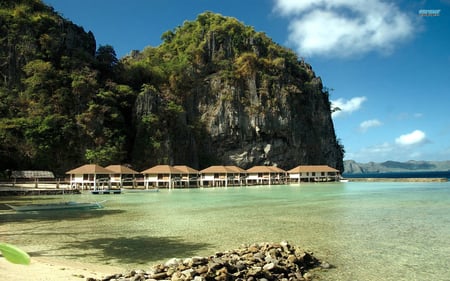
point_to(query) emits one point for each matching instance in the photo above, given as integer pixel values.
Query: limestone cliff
(244, 100)
(245, 128)
(214, 92)
(31, 30)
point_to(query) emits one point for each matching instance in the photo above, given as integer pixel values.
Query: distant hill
(352, 167)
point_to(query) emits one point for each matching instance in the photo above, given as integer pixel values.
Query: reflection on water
(369, 231)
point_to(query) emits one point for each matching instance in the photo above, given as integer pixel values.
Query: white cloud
(381, 148)
(344, 27)
(343, 106)
(403, 148)
(416, 137)
(364, 126)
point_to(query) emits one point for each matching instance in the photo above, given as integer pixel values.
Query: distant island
(352, 167)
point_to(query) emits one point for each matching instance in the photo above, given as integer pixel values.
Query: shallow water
(368, 231)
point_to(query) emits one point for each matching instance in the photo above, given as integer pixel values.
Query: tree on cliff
(245, 100)
(215, 91)
(59, 103)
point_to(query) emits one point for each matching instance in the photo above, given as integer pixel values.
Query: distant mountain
(352, 167)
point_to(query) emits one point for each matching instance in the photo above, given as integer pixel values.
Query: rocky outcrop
(215, 92)
(264, 261)
(352, 167)
(245, 129)
(27, 38)
(248, 101)
(237, 125)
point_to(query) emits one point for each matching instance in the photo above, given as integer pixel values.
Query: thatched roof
(311, 168)
(162, 169)
(265, 169)
(186, 169)
(277, 169)
(217, 170)
(90, 169)
(237, 169)
(120, 169)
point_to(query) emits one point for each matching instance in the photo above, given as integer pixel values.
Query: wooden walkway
(24, 188)
(36, 191)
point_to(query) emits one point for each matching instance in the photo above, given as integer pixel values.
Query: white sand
(44, 269)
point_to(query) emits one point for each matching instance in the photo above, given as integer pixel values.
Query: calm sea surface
(368, 231)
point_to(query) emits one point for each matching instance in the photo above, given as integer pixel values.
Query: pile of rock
(263, 262)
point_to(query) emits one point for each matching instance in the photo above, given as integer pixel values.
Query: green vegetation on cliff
(214, 89)
(59, 102)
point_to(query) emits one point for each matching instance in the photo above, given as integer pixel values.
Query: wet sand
(45, 269)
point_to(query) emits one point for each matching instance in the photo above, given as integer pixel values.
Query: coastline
(397, 179)
(53, 189)
(274, 261)
(48, 269)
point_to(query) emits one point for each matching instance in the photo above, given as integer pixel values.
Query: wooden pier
(36, 191)
(35, 187)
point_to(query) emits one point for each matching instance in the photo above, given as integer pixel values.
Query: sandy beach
(45, 269)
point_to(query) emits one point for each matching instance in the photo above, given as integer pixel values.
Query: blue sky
(387, 63)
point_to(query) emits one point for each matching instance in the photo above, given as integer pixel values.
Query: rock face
(49, 37)
(215, 92)
(247, 102)
(264, 261)
(246, 129)
(239, 126)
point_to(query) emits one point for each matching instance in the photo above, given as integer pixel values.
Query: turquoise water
(368, 231)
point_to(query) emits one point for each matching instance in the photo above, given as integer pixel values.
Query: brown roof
(237, 169)
(186, 169)
(162, 169)
(312, 168)
(89, 169)
(265, 169)
(120, 169)
(277, 169)
(218, 170)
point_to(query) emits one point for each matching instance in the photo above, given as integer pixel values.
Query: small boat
(133, 190)
(343, 180)
(55, 206)
(106, 191)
